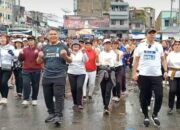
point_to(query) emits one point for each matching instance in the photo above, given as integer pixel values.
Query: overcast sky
(56, 6)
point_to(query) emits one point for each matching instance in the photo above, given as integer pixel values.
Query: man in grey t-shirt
(54, 56)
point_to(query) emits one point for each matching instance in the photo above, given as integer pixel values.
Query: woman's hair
(7, 38)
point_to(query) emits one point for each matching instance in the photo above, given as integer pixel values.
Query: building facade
(6, 11)
(91, 7)
(119, 17)
(141, 19)
(166, 19)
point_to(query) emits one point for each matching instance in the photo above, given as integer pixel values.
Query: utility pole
(179, 15)
(170, 23)
(19, 13)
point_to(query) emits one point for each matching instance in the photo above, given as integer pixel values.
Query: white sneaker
(3, 101)
(25, 103)
(117, 99)
(114, 98)
(34, 102)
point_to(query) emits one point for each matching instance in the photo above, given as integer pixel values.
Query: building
(136, 20)
(141, 18)
(119, 18)
(149, 17)
(166, 19)
(91, 7)
(6, 11)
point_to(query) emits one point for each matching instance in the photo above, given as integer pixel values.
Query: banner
(80, 22)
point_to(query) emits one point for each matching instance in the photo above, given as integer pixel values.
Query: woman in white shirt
(174, 76)
(76, 73)
(118, 70)
(17, 67)
(107, 60)
(6, 60)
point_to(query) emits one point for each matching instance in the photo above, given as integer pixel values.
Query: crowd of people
(84, 61)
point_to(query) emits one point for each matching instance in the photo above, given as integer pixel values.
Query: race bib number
(149, 55)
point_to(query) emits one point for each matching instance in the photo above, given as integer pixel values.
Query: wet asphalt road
(124, 115)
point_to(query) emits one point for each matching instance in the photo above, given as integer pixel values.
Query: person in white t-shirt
(119, 72)
(107, 60)
(148, 59)
(174, 76)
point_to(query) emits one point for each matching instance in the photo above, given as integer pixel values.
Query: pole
(171, 13)
(179, 15)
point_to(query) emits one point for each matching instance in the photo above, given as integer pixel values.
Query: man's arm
(164, 64)
(135, 66)
(65, 56)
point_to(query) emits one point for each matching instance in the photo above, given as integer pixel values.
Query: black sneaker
(57, 120)
(50, 118)
(146, 122)
(155, 121)
(170, 111)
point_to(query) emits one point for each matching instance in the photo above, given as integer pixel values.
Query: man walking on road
(148, 59)
(54, 56)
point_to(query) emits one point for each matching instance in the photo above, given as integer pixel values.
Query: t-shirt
(6, 59)
(91, 63)
(150, 59)
(174, 62)
(54, 65)
(120, 62)
(107, 58)
(77, 66)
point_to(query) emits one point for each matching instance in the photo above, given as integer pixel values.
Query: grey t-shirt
(54, 65)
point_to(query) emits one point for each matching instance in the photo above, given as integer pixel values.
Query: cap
(177, 39)
(149, 30)
(24, 39)
(75, 42)
(17, 40)
(106, 40)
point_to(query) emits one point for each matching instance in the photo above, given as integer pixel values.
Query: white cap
(107, 40)
(18, 40)
(25, 39)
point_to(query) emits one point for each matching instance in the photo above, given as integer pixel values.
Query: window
(113, 22)
(121, 22)
(138, 25)
(166, 23)
(9, 17)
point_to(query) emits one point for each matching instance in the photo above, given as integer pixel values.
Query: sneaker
(3, 101)
(80, 107)
(114, 98)
(155, 120)
(140, 109)
(106, 112)
(25, 103)
(57, 120)
(146, 122)
(84, 99)
(117, 99)
(50, 118)
(170, 111)
(34, 102)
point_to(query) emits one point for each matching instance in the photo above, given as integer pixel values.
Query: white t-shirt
(174, 62)
(150, 59)
(107, 58)
(77, 66)
(120, 62)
